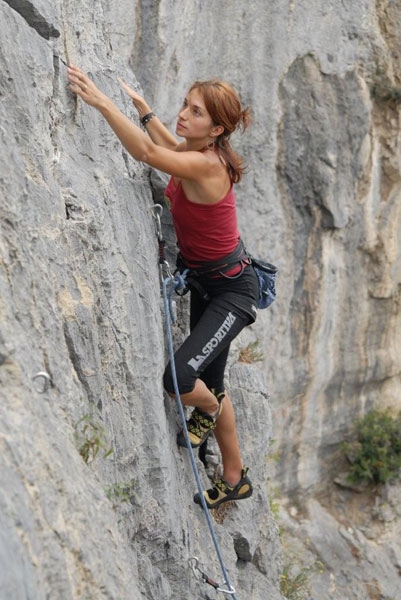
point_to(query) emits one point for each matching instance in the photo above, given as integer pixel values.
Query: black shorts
(214, 323)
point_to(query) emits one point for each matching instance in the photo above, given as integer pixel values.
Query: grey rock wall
(321, 200)
(95, 496)
(79, 297)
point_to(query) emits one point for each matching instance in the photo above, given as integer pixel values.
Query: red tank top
(205, 232)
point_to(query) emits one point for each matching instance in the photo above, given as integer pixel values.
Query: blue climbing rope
(177, 282)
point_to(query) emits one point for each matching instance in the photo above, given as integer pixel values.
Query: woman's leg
(213, 327)
(219, 324)
(202, 398)
(225, 431)
(227, 439)
(211, 369)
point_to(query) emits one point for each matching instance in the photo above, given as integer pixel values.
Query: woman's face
(194, 122)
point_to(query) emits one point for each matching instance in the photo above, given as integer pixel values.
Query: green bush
(90, 438)
(251, 353)
(376, 453)
(294, 586)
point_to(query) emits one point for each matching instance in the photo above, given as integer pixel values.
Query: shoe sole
(228, 498)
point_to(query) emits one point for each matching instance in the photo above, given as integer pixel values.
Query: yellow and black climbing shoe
(199, 426)
(222, 492)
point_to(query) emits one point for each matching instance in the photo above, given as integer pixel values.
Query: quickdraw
(157, 211)
(197, 571)
(177, 279)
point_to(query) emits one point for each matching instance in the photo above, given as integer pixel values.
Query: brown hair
(224, 107)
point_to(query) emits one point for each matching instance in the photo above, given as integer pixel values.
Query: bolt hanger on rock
(45, 381)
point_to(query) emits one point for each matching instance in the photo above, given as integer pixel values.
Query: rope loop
(180, 281)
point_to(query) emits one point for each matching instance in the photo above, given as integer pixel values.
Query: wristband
(146, 118)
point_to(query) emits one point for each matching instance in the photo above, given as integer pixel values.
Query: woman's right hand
(82, 86)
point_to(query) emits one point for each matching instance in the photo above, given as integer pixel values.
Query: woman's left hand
(82, 86)
(140, 104)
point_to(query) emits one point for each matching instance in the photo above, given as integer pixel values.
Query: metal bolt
(45, 383)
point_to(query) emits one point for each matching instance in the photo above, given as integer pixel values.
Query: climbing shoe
(199, 426)
(223, 492)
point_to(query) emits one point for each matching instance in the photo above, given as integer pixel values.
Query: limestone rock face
(95, 497)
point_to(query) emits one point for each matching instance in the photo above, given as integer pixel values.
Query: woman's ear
(216, 131)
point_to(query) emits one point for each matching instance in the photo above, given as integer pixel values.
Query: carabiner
(157, 211)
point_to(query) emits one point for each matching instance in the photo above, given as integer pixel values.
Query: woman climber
(224, 286)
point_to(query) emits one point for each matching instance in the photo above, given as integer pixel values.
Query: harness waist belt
(222, 265)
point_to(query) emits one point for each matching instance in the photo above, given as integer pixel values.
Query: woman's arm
(186, 165)
(158, 132)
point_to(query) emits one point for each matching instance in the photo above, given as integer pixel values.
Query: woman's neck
(200, 145)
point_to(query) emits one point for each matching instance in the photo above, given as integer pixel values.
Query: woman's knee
(185, 380)
(168, 383)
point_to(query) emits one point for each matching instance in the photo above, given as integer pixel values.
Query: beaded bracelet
(146, 118)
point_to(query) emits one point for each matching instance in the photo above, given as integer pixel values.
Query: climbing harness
(266, 272)
(170, 284)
